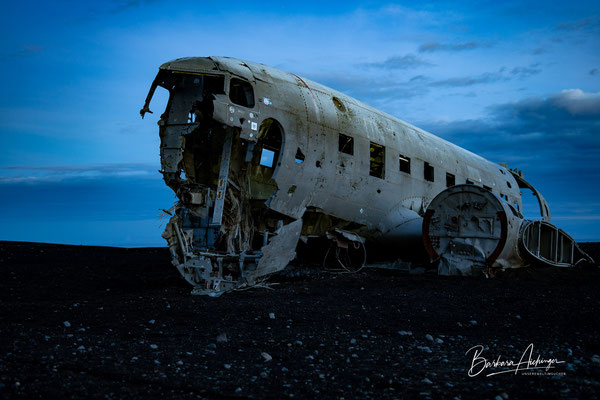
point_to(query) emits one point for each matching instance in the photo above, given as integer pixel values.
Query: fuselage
(260, 158)
(346, 182)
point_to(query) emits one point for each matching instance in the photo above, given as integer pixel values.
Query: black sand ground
(94, 322)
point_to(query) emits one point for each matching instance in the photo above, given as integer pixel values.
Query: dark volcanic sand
(136, 332)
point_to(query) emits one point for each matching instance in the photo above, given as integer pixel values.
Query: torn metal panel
(259, 157)
(279, 252)
(190, 64)
(234, 66)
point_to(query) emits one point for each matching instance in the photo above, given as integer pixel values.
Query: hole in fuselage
(299, 156)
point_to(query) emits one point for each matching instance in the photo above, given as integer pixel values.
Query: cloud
(435, 46)
(487, 77)
(586, 23)
(408, 61)
(525, 72)
(120, 6)
(114, 8)
(418, 78)
(572, 114)
(554, 140)
(25, 51)
(554, 133)
(85, 211)
(571, 108)
(373, 90)
(380, 90)
(43, 174)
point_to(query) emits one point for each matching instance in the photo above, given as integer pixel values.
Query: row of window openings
(241, 93)
(377, 162)
(376, 167)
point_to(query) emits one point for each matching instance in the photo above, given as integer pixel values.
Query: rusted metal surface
(259, 158)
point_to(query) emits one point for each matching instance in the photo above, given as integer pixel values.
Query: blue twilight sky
(514, 81)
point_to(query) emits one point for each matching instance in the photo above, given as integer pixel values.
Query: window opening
(450, 179)
(404, 164)
(299, 156)
(377, 160)
(346, 144)
(266, 157)
(428, 172)
(269, 144)
(241, 93)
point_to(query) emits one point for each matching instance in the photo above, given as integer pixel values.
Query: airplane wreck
(261, 159)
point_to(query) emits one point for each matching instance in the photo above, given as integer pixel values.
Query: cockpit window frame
(243, 88)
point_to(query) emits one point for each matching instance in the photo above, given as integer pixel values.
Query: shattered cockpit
(220, 163)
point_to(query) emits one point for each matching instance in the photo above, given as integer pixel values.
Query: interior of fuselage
(217, 166)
